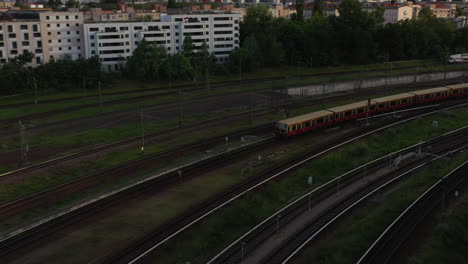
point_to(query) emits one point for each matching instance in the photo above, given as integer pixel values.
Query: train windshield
(281, 126)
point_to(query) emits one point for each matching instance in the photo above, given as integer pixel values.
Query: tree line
(353, 37)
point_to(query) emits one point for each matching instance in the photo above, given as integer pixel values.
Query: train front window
(281, 126)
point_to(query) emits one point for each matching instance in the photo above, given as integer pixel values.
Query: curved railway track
(17, 239)
(392, 239)
(299, 240)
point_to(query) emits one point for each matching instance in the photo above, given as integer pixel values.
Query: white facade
(114, 42)
(395, 14)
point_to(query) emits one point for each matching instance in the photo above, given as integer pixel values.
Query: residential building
(61, 32)
(19, 33)
(114, 42)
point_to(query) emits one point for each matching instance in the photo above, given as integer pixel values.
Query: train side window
(381, 105)
(348, 113)
(305, 124)
(360, 110)
(320, 121)
(393, 103)
(438, 94)
(455, 91)
(372, 107)
(404, 101)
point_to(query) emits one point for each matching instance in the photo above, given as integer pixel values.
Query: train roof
(429, 91)
(347, 107)
(301, 118)
(392, 97)
(457, 86)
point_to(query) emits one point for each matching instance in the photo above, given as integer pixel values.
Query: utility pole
(100, 96)
(142, 132)
(368, 109)
(180, 114)
(35, 90)
(23, 144)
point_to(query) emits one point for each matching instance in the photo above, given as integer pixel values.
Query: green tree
(146, 61)
(318, 8)
(426, 14)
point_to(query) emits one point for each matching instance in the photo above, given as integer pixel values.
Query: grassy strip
(127, 85)
(447, 244)
(215, 232)
(20, 111)
(351, 239)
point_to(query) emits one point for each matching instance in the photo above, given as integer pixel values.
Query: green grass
(216, 231)
(447, 243)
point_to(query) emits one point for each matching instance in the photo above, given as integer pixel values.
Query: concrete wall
(315, 89)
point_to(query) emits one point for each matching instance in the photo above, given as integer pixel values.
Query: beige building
(20, 36)
(394, 14)
(62, 34)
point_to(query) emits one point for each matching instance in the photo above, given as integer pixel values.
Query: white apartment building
(114, 42)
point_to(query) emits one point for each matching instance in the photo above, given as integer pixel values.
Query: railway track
(176, 226)
(88, 181)
(392, 239)
(23, 236)
(188, 88)
(302, 206)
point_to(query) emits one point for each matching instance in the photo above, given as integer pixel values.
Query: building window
(10, 28)
(51, 49)
(14, 45)
(25, 43)
(37, 35)
(38, 60)
(12, 35)
(49, 33)
(66, 17)
(77, 40)
(39, 44)
(69, 48)
(93, 52)
(25, 36)
(93, 29)
(136, 42)
(76, 17)
(50, 41)
(69, 40)
(79, 47)
(76, 25)
(57, 17)
(60, 48)
(77, 32)
(47, 17)
(135, 35)
(68, 32)
(24, 27)
(59, 41)
(58, 33)
(48, 25)
(68, 25)
(91, 37)
(93, 45)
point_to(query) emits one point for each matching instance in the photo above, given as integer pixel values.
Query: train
(304, 123)
(458, 58)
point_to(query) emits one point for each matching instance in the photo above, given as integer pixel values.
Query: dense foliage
(60, 75)
(354, 37)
